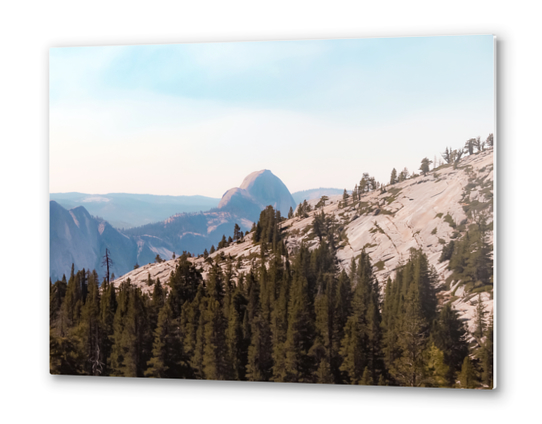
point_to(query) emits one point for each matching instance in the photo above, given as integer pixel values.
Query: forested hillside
(389, 285)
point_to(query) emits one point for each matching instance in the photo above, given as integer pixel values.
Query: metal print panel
(291, 211)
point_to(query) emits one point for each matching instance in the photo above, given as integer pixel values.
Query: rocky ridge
(423, 212)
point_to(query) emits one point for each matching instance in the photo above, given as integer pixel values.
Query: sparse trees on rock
(237, 233)
(303, 210)
(448, 155)
(393, 177)
(403, 175)
(469, 146)
(489, 140)
(480, 145)
(424, 167)
(346, 196)
(322, 202)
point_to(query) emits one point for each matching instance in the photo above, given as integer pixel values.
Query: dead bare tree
(107, 262)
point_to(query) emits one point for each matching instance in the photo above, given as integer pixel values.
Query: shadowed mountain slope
(77, 237)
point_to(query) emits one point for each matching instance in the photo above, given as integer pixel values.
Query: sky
(195, 119)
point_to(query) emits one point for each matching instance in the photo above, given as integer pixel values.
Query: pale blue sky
(196, 118)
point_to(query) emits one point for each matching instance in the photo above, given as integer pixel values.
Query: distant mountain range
(79, 238)
(315, 193)
(124, 210)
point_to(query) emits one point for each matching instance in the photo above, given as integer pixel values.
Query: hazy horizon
(196, 119)
(184, 195)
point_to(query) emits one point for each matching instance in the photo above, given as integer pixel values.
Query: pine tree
(299, 365)
(469, 146)
(192, 331)
(63, 355)
(393, 176)
(479, 320)
(355, 196)
(237, 233)
(291, 213)
(486, 356)
(89, 331)
(437, 371)
(489, 140)
(168, 359)
(260, 351)
(132, 336)
(183, 283)
(467, 377)
(424, 167)
(367, 378)
(157, 302)
(448, 155)
(259, 363)
(57, 294)
(361, 347)
(403, 175)
(279, 327)
(346, 196)
(409, 369)
(351, 352)
(409, 307)
(449, 336)
(198, 355)
(216, 363)
(321, 349)
(235, 342)
(341, 312)
(215, 283)
(479, 144)
(108, 308)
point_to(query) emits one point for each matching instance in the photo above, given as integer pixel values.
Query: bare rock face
(239, 201)
(257, 191)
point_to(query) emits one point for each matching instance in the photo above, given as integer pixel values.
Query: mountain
(196, 232)
(315, 193)
(124, 210)
(423, 212)
(77, 237)
(258, 190)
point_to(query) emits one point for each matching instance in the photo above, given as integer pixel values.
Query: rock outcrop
(258, 190)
